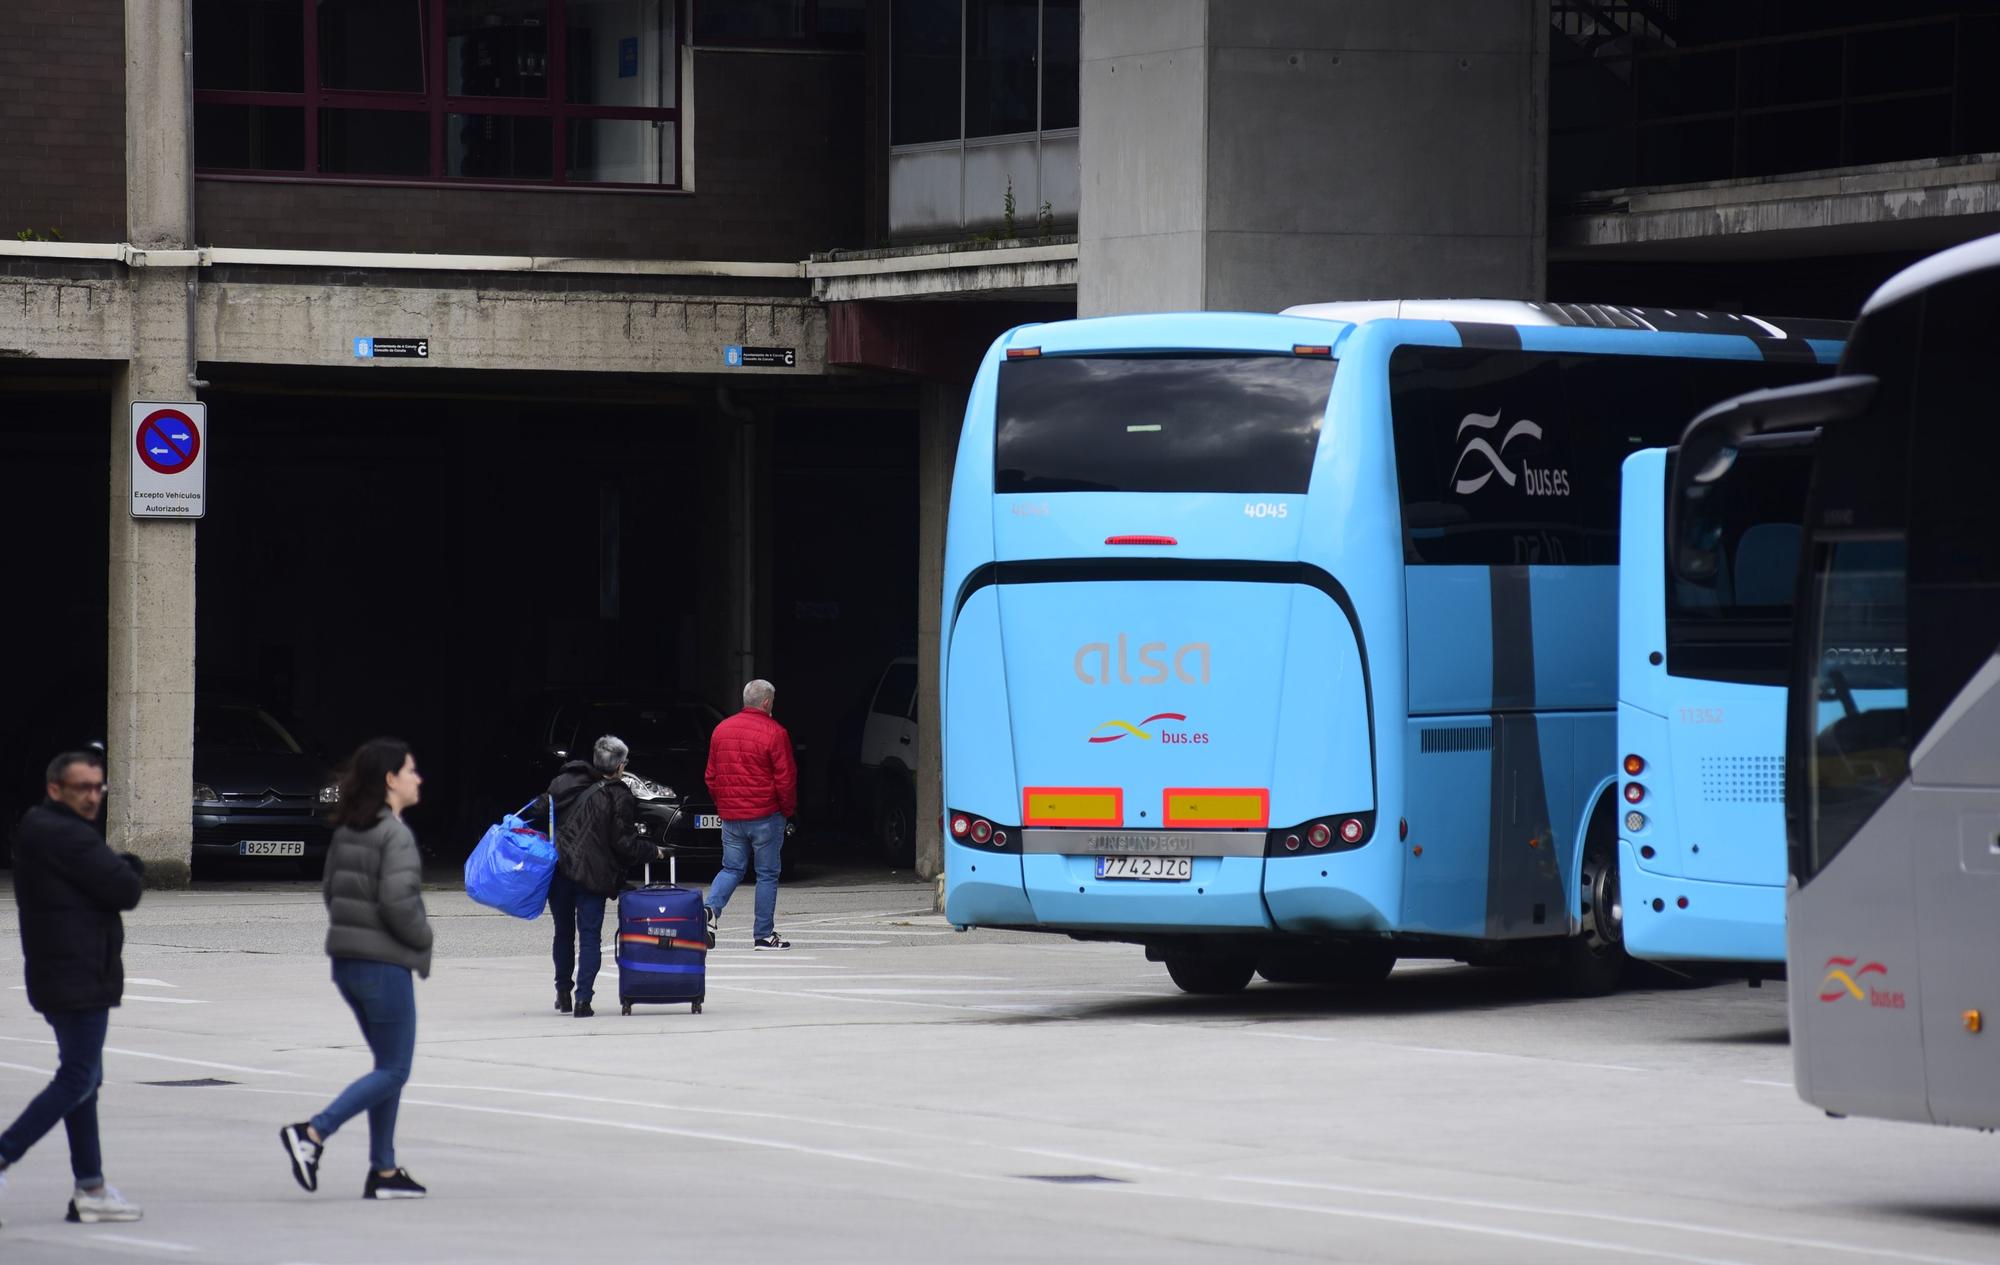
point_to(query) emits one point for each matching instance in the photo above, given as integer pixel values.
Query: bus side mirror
(1712, 441)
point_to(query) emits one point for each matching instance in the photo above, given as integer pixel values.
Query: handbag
(512, 865)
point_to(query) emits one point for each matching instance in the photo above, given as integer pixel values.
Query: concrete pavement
(890, 1090)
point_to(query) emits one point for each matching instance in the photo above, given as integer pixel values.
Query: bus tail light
(971, 829)
(1023, 353)
(1318, 350)
(1634, 792)
(1320, 835)
(1350, 830)
(1634, 766)
(1291, 843)
(1333, 832)
(1635, 822)
(1140, 540)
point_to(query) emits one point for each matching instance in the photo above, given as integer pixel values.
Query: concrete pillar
(1251, 154)
(150, 682)
(940, 413)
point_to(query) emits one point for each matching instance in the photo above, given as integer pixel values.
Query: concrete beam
(1003, 270)
(80, 319)
(1886, 207)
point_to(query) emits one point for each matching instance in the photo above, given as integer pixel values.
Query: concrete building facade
(589, 210)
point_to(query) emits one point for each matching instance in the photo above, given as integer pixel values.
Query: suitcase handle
(673, 867)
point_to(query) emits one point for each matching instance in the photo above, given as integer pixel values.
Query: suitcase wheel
(697, 1006)
(627, 1008)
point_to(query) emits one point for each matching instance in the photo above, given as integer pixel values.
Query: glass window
(1860, 746)
(1002, 43)
(897, 697)
(497, 48)
(218, 727)
(620, 151)
(249, 137)
(371, 45)
(250, 45)
(375, 142)
(924, 52)
(1160, 423)
(758, 20)
(619, 52)
(500, 146)
(1736, 625)
(1062, 63)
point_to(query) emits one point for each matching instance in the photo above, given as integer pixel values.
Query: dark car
(259, 793)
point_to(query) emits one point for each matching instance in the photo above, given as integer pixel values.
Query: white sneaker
(105, 1205)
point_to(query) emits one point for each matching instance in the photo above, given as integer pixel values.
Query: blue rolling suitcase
(662, 945)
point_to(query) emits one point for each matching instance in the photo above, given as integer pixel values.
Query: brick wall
(62, 118)
(779, 151)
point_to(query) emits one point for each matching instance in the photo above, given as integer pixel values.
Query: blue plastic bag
(511, 868)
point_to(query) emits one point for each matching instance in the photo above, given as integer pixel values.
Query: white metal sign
(169, 460)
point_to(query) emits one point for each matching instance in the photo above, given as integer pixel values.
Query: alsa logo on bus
(1844, 978)
(1093, 663)
(1535, 481)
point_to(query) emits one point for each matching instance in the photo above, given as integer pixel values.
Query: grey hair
(759, 693)
(609, 755)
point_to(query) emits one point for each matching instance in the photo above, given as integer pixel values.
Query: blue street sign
(364, 348)
(733, 357)
(628, 57)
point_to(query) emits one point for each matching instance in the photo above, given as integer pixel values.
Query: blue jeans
(579, 935)
(384, 999)
(71, 1097)
(765, 836)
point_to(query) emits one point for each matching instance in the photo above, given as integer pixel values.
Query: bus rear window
(1159, 423)
(1737, 626)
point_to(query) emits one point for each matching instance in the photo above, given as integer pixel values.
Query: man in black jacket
(70, 888)
(595, 844)
(571, 781)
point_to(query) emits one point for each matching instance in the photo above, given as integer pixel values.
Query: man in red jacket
(756, 788)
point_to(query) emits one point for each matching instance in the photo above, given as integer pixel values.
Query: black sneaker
(583, 1010)
(714, 921)
(562, 1001)
(397, 1185)
(772, 941)
(304, 1153)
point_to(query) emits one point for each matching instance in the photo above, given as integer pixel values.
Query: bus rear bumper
(1223, 894)
(983, 890)
(1721, 922)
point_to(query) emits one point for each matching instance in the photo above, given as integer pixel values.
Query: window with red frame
(557, 92)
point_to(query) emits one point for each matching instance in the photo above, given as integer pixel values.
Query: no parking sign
(169, 466)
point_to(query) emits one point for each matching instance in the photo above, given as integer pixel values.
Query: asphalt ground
(890, 1090)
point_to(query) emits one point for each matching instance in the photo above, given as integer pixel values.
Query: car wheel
(896, 827)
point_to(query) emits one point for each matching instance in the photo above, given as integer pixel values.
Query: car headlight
(330, 794)
(204, 793)
(643, 788)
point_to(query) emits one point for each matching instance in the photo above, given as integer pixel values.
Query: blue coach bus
(1702, 669)
(1286, 644)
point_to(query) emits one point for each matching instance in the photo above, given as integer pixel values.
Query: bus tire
(1593, 962)
(1210, 974)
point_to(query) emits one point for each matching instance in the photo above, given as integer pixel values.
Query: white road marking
(23, 1067)
(149, 983)
(1773, 1084)
(1582, 1214)
(165, 1001)
(168, 1058)
(970, 992)
(1416, 1049)
(157, 1245)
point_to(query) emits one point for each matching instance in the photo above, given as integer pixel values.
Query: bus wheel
(1593, 962)
(1205, 974)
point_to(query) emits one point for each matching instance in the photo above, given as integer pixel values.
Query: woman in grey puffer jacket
(377, 934)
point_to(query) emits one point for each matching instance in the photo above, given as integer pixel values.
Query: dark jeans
(384, 1000)
(579, 948)
(71, 1097)
(761, 839)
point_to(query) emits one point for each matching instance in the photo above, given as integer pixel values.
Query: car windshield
(653, 731)
(223, 727)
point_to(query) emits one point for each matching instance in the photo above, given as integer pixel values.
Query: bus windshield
(1736, 623)
(1216, 423)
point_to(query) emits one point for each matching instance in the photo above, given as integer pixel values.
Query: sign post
(169, 460)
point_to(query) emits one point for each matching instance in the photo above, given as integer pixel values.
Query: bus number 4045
(1267, 509)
